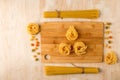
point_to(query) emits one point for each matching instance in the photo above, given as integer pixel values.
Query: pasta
(60, 70)
(64, 48)
(90, 14)
(79, 48)
(71, 34)
(111, 58)
(33, 28)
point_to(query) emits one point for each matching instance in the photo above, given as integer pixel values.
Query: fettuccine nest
(79, 48)
(33, 28)
(64, 48)
(71, 34)
(111, 58)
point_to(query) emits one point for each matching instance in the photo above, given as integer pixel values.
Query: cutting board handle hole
(47, 57)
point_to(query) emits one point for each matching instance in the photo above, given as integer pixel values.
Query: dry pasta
(33, 28)
(90, 14)
(111, 58)
(79, 48)
(64, 49)
(71, 34)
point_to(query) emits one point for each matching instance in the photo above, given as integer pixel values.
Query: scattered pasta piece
(33, 28)
(79, 48)
(64, 48)
(109, 47)
(110, 37)
(36, 48)
(36, 59)
(108, 32)
(36, 39)
(34, 56)
(38, 53)
(37, 43)
(107, 27)
(111, 58)
(109, 41)
(33, 50)
(108, 23)
(71, 34)
(106, 45)
(32, 44)
(32, 38)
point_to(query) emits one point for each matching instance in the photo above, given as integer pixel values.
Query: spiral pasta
(111, 58)
(71, 34)
(33, 28)
(64, 49)
(79, 48)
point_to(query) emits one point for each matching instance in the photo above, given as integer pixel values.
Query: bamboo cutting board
(53, 33)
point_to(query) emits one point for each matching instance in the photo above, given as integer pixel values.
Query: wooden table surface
(16, 61)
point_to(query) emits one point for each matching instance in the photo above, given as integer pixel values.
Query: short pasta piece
(79, 48)
(71, 34)
(111, 58)
(33, 28)
(64, 49)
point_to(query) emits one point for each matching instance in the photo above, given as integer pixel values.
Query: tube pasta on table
(71, 34)
(64, 48)
(79, 48)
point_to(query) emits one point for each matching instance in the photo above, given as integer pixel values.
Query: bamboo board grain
(53, 33)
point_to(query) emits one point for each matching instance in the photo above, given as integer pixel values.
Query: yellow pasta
(60, 70)
(79, 48)
(111, 58)
(64, 48)
(33, 28)
(71, 34)
(90, 14)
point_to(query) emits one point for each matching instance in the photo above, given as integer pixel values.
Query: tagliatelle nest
(33, 28)
(71, 34)
(64, 48)
(110, 58)
(79, 48)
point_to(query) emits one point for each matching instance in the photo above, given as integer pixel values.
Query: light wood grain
(16, 61)
(53, 33)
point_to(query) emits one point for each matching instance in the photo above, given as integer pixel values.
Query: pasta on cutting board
(64, 48)
(79, 48)
(71, 33)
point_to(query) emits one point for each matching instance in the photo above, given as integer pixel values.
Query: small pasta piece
(64, 49)
(79, 48)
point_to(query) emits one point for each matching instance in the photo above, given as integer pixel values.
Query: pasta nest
(33, 28)
(110, 58)
(79, 48)
(71, 34)
(64, 48)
